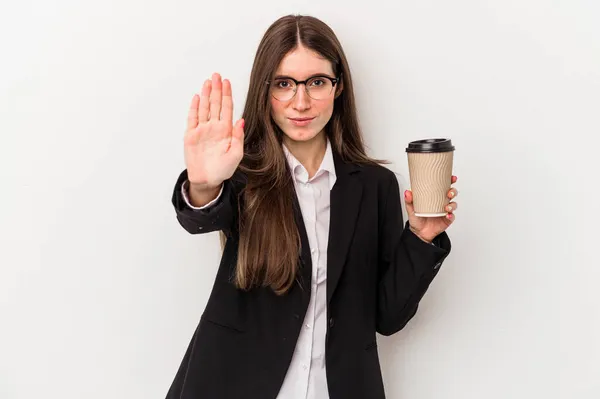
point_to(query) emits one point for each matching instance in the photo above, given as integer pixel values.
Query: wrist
(201, 194)
(203, 187)
(422, 237)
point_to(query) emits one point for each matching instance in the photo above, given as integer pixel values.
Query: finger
(454, 179)
(451, 207)
(227, 105)
(192, 120)
(408, 200)
(452, 193)
(203, 103)
(216, 97)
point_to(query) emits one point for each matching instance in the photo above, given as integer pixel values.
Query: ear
(339, 88)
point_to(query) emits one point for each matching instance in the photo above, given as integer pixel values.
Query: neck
(309, 153)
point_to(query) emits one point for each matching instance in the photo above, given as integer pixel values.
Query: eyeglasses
(317, 87)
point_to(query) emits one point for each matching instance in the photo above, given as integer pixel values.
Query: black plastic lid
(430, 145)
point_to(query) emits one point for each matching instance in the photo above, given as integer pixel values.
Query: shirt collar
(300, 173)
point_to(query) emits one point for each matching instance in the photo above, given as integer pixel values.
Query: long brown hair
(269, 245)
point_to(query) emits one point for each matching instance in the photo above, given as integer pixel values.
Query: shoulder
(379, 174)
(380, 181)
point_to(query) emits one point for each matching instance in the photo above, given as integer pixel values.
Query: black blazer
(377, 273)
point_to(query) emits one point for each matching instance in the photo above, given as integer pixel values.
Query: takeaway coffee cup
(430, 169)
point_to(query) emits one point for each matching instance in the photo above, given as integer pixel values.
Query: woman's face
(302, 118)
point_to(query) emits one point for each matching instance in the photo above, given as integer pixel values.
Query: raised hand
(213, 146)
(427, 228)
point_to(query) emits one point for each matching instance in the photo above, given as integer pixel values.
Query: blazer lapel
(305, 270)
(346, 196)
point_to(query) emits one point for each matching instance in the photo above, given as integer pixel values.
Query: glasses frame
(334, 82)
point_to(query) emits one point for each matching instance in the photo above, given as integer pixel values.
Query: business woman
(316, 255)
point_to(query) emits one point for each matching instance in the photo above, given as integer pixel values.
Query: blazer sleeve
(221, 215)
(407, 265)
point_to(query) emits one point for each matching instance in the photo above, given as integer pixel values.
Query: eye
(317, 82)
(283, 84)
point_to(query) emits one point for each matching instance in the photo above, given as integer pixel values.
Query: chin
(301, 134)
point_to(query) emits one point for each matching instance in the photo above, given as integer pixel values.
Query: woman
(316, 255)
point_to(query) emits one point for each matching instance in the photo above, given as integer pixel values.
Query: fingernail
(449, 208)
(243, 122)
(452, 193)
(405, 193)
(449, 216)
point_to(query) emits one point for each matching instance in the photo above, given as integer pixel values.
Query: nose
(301, 100)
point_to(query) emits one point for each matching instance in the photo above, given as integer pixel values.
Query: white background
(100, 288)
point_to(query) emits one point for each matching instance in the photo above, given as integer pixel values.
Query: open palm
(213, 146)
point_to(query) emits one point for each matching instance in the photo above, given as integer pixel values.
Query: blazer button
(331, 322)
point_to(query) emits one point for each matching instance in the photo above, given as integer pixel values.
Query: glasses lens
(319, 88)
(283, 89)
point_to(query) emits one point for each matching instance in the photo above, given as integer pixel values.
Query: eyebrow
(310, 77)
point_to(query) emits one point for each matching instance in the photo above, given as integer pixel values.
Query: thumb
(408, 199)
(237, 135)
(238, 130)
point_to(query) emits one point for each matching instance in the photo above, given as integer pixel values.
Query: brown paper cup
(430, 168)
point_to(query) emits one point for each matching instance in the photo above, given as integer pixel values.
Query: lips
(301, 122)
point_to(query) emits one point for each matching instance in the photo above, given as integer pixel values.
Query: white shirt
(306, 376)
